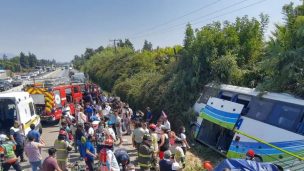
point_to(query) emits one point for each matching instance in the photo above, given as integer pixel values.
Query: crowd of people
(96, 132)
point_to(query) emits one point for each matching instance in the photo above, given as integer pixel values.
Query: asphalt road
(50, 133)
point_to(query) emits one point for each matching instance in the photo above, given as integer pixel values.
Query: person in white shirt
(183, 138)
(67, 109)
(167, 123)
(81, 117)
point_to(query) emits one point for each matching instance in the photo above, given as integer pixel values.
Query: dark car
(5, 85)
(17, 82)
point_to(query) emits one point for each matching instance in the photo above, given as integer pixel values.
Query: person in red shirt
(50, 163)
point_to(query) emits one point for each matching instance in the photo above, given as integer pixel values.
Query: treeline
(237, 53)
(23, 62)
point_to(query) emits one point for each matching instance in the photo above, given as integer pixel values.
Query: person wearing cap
(106, 156)
(250, 155)
(154, 138)
(122, 157)
(10, 158)
(145, 152)
(62, 147)
(138, 134)
(18, 139)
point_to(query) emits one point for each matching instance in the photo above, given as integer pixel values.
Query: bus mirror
(237, 138)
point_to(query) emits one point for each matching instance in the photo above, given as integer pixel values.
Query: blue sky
(60, 29)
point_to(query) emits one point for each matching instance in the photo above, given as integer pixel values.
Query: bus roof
(283, 97)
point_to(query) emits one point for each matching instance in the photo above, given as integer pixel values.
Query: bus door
(219, 119)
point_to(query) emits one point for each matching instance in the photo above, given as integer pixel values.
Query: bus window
(31, 106)
(259, 109)
(226, 95)
(285, 116)
(244, 100)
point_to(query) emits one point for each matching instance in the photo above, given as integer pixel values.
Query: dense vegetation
(23, 62)
(235, 53)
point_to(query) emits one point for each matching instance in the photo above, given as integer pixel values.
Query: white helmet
(3, 137)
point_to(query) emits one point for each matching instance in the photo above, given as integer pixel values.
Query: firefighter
(62, 147)
(7, 154)
(145, 153)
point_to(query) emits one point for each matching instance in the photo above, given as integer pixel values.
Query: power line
(183, 24)
(209, 14)
(180, 17)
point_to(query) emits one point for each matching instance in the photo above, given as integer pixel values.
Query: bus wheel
(258, 158)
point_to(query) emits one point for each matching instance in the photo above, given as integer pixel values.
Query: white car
(8, 79)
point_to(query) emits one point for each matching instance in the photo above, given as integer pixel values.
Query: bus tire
(40, 129)
(258, 158)
(280, 168)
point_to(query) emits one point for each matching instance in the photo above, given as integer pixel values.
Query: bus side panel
(275, 136)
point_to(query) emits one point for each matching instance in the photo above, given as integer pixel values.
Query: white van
(18, 106)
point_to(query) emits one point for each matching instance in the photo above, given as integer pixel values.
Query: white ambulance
(18, 106)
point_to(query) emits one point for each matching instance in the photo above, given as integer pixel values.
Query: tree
(189, 36)
(129, 44)
(284, 61)
(24, 60)
(88, 53)
(147, 46)
(4, 57)
(32, 60)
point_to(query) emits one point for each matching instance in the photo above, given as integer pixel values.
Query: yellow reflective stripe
(64, 159)
(144, 165)
(61, 149)
(143, 155)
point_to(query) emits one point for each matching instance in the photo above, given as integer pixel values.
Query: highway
(50, 133)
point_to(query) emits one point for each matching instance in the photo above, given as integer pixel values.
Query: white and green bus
(234, 119)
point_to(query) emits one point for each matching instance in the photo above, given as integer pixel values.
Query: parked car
(17, 82)
(5, 85)
(25, 77)
(8, 79)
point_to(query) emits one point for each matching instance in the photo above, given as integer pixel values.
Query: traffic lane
(19, 88)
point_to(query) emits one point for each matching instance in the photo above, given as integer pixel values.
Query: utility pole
(114, 41)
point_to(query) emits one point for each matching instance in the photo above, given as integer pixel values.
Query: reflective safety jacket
(61, 147)
(8, 150)
(145, 156)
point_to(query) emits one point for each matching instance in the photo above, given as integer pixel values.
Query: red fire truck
(49, 101)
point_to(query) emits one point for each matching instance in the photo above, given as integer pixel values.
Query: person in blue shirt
(90, 154)
(34, 133)
(82, 147)
(148, 115)
(88, 111)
